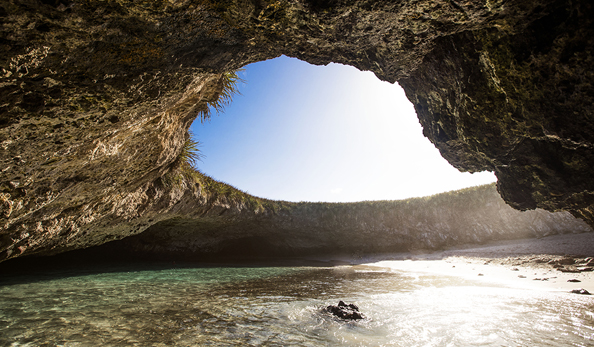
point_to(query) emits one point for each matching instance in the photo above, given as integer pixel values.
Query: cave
(302, 132)
(97, 98)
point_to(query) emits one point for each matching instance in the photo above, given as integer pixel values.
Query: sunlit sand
(517, 264)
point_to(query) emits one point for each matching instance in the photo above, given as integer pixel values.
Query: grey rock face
(96, 98)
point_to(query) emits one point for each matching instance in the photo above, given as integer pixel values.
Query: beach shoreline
(554, 263)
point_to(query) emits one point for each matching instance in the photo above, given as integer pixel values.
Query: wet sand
(557, 263)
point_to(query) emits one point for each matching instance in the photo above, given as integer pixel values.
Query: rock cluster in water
(344, 311)
(97, 97)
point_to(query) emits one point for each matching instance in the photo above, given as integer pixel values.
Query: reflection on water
(280, 306)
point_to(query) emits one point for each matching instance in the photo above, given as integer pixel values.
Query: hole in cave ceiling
(300, 132)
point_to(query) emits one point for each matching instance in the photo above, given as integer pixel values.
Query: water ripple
(270, 306)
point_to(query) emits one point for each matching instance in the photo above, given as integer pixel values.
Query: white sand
(520, 264)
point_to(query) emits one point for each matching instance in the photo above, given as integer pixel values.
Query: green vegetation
(187, 160)
(184, 168)
(228, 84)
(190, 154)
(215, 190)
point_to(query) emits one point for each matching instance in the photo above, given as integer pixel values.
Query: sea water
(281, 306)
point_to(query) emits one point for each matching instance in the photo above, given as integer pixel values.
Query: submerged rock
(345, 311)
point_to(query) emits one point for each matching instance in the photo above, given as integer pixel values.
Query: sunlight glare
(329, 133)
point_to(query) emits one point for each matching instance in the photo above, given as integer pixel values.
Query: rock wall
(97, 95)
(470, 216)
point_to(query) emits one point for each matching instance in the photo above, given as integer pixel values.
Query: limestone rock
(97, 96)
(470, 216)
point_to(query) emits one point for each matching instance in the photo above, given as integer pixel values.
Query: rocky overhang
(96, 98)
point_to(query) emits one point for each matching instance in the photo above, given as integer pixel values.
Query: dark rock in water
(573, 280)
(345, 311)
(580, 291)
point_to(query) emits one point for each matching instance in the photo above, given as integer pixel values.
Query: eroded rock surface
(97, 95)
(470, 216)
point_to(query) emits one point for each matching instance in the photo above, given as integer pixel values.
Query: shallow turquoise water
(280, 306)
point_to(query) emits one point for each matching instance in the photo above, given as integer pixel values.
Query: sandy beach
(556, 263)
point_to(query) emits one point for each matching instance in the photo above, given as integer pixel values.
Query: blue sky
(300, 132)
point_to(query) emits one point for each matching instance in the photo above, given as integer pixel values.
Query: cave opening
(300, 132)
